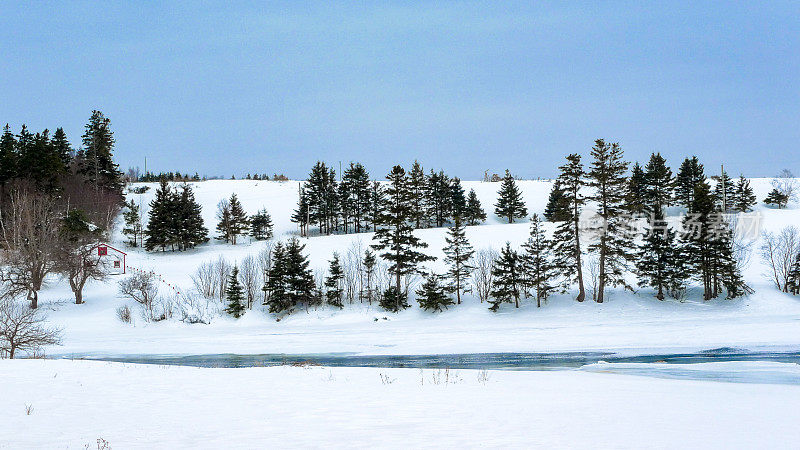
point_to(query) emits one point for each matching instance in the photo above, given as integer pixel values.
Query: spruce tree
(377, 204)
(439, 198)
(458, 200)
(354, 193)
(614, 245)
(395, 236)
(689, 175)
(418, 188)
(777, 198)
(224, 221)
(261, 225)
(98, 164)
(659, 258)
(557, 209)
(709, 245)
(432, 296)
(474, 213)
(744, 197)
(793, 286)
(636, 190)
(62, 148)
(537, 269)
(299, 278)
(8, 158)
(161, 227)
(566, 239)
(509, 202)
(333, 283)
(301, 215)
(235, 295)
(368, 267)
(659, 185)
(133, 223)
(239, 222)
(458, 256)
(508, 277)
(191, 230)
(725, 193)
(275, 288)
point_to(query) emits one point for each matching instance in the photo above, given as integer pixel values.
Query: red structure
(118, 257)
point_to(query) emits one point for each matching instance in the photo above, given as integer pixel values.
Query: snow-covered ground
(630, 323)
(73, 404)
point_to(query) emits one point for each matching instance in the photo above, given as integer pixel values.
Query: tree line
(57, 204)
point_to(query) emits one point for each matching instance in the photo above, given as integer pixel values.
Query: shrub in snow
(124, 314)
(394, 299)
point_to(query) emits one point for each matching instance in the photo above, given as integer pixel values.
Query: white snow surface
(73, 404)
(627, 322)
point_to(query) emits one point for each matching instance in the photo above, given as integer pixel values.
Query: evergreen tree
(133, 223)
(235, 295)
(509, 202)
(537, 269)
(777, 198)
(793, 286)
(298, 276)
(261, 226)
(508, 278)
(690, 175)
(61, 148)
(566, 239)
(474, 213)
(614, 245)
(190, 230)
(709, 245)
(97, 158)
(458, 256)
(161, 225)
(394, 299)
(725, 193)
(557, 209)
(439, 198)
(659, 185)
(744, 198)
(239, 222)
(659, 259)
(395, 236)
(458, 200)
(301, 215)
(354, 197)
(333, 283)
(432, 296)
(636, 190)
(8, 158)
(368, 267)
(418, 187)
(377, 204)
(275, 287)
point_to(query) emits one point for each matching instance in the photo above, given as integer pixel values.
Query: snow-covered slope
(626, 322)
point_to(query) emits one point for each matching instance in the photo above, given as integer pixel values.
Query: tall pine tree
(536, 266)
(566, 239)
(458, 256)
(613, 244)
(508, 278)
(474, 213)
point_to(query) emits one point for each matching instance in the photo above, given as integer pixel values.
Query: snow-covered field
(73, 404)
(632, 323)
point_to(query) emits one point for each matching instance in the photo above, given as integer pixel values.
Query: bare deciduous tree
(786, 184)
(24, 329)
(205, 280)
(482, 275)
(778, 252)
(250, 278)
(30, 227)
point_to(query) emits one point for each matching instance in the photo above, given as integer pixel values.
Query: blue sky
(227, 88)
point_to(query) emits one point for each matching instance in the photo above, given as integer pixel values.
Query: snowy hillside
(625, 322)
